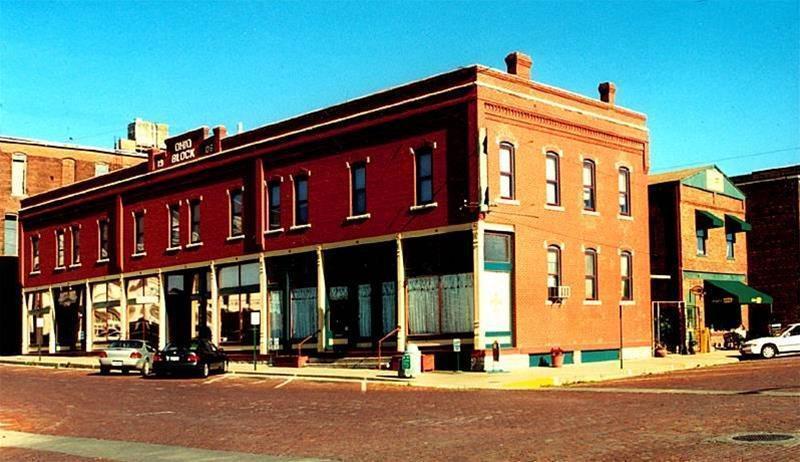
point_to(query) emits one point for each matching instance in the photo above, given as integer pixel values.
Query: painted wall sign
(184, 148)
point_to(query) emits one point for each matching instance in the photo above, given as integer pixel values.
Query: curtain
(447, 297)
(304, 311)
(457, 303)
(276, 314)
(423, 305)
(389, 301)
(365, 310)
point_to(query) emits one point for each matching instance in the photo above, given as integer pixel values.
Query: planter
(660, 352)
(290, 361)
(556, 357)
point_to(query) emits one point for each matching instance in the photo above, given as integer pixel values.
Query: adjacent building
(699, 242)
(474, 207)
(773, 209)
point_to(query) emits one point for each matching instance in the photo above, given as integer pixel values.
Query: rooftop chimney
(519, 64)
(607, 92)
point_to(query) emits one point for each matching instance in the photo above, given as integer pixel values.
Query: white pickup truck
(768, 347)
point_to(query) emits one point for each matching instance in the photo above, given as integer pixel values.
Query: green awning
(736, 225)
(707, 220)
(741, 292)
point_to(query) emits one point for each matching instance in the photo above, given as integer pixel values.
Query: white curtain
(457, 303)
(275, 313)
(389, 301)
(423, 305)
(304, 311)
(365, 310)
(447, 297)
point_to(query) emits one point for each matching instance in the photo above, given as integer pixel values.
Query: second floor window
(102, 230)
(60, 249)
(506, 171)
(624, 191)
(589, 186)
(34, 254)
(301, 201)
(10, 226)
(626, 273)
(553, 267)
(590, 257)
(19, 173)
(76, 245)
(236, 208)
(424, 173)
(194, 221)
(138, 232)
(730, 241)
(552, 175)
(274, 191)
(702, 238)
(358, 187)
(174, 226)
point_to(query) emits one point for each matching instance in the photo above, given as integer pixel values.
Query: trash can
(411, 363)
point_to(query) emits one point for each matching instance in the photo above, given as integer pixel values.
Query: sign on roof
(184, 148)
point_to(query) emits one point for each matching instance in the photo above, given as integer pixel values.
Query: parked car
(787, 341)
(127, 355)
(198, 356)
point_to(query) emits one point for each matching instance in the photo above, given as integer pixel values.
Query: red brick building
(773, 208)
(475, 205)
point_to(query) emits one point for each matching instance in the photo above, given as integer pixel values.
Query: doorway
(187, 305)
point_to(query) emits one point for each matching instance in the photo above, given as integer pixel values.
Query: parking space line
(285, 382)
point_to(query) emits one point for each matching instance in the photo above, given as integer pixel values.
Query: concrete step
(351, 362)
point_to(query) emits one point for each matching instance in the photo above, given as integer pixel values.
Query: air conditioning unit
(559, 293)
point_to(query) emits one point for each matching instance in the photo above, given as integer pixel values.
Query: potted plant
(660, 350)
(556, 357)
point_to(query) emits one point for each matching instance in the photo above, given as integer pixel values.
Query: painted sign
(457, 345)
(184, 148)
(255, 318)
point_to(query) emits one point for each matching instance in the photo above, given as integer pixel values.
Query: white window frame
(18, 158)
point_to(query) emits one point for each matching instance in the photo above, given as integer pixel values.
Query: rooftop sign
(184, 148)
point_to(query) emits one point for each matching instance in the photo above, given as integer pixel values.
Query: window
(702, 237)
(76, 245)
(274, 191)
(194, 221)
(589, 186)
(624, 191)
(100, 168)
(497, 248)
(60, 248)
(301, 200)
(358, 178)
(506, 171)
(174, 226)
(552, 176)
(730, 240)
(102, 234)
(590, 262)
(424, 172)
(10, 234)
(236, 209)
(138, 232)
(553, 269)
(34, 254)
(626, 272)
(19, 172)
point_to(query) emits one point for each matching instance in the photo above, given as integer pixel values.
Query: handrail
(380, 342)
(300, 345)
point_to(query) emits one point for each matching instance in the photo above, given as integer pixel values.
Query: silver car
(127, 355)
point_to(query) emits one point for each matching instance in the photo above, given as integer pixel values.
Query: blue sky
(718, 79)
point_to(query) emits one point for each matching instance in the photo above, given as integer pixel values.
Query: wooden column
(162, 312)
(215, 314)
(401, 296)
(89, 318)
(477, 272)
(26, 335)
(264, 340)
(322, 337)
(52, 313)
(123, 306)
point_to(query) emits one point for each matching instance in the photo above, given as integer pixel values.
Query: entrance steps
(349, 362)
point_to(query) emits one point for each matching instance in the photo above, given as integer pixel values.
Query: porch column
(215, 314)
(477, 272)
(162, 312)
(401, 296)
(89, 318)
(322, 338)
(264, 339)
(123, 306)
(52, 343)
(26, 335)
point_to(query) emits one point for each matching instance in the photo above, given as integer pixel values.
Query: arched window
(626, 273)
(552, 174)
(590, 285)
(589, 186)
(506, 171)
(553, 271)
(19, 173)
(624, 191)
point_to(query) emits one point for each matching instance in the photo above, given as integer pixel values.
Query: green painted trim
(698, 180)
(707, 220)
(497, 266)
(499, 333)
(502, 345)
(736, 224)
(543, 359)
(594, 356)
(743, 293)
(713, 276)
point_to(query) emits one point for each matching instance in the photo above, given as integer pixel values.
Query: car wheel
(146, 369)
(206, 370)
(104, 370)
(769, 351)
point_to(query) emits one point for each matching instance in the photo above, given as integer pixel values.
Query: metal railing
(300, 345)
(380, 344)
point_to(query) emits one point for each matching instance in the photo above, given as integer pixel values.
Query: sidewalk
(535, 377)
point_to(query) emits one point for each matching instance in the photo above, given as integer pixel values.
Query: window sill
(58, 269)
(627, 302)
(625, 217)
(592, 302)
(274, 231)
(234, 238)
(173, 249)
(702, 255)
(506, 201)
(300, 227)
(552, 302)
(139, 255)
(193, 245)
(75, 265)
(593, 213)
(34, 273)
(416, 208)
(363, 216)
(102, 260)
(555, 208)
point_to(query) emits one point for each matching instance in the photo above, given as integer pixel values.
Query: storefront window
(40, 319)
(239, 295)
(440, 304)
(143, 295)
(106, 312)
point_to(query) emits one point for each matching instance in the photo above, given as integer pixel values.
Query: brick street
(678, 416)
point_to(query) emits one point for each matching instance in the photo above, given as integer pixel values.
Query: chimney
(219, 133)
(607, 92)
(239, 128)
(519, 64)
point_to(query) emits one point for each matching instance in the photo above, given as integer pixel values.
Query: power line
(742, 156)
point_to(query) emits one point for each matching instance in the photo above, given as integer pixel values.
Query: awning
(741, 292)
(736, 225)
(707, 220)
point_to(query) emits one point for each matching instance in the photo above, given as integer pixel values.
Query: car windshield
(194, 345)
(135, 344)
